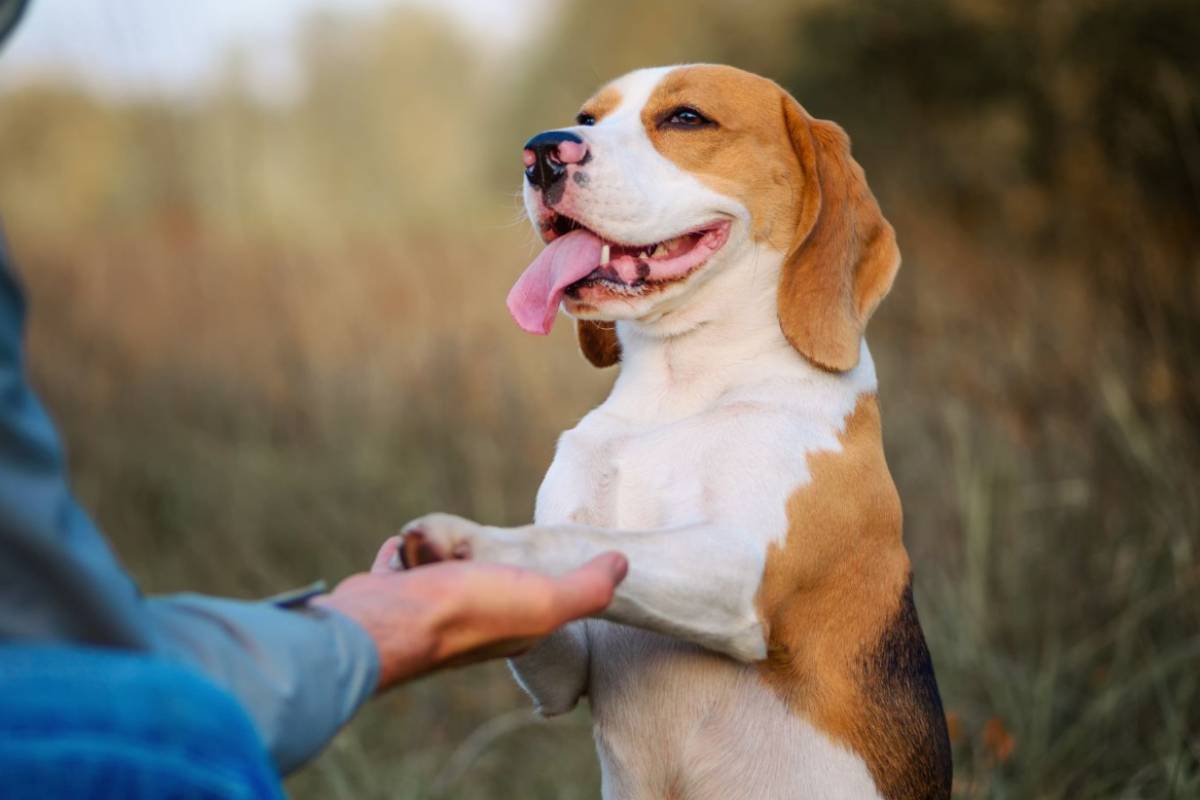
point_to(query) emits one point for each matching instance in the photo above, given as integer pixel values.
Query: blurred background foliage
(274, 330)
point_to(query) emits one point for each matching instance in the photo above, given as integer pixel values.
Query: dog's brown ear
(598, 341)
(844, 256)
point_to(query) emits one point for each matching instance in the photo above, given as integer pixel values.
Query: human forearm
(300, 674)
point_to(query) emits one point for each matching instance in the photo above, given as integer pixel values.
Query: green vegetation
(272, 333)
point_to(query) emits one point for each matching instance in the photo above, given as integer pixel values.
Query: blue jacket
(300, 672)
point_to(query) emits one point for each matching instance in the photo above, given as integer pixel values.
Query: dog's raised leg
(696, 582)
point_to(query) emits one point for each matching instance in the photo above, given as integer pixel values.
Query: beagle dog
(723, 246)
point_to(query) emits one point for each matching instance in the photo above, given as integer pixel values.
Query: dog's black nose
(546, 157)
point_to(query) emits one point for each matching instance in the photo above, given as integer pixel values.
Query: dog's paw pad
(416, 549)
(430, 540)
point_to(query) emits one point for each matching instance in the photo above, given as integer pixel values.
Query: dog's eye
(584, 118)
(686, 117)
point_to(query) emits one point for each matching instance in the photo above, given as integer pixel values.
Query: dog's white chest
(621, 476)
(603, 476)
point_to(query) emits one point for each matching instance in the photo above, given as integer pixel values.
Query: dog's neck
(723, 334)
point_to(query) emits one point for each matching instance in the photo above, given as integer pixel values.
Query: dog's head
(675, 176)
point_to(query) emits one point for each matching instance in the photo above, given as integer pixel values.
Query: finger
(504, 648)
(388, 558)
(589, 589)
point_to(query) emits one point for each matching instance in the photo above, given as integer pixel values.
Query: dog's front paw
(439, 537)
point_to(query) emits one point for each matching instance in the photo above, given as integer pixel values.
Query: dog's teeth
(645, 253)
(659, 251)
(605, 252)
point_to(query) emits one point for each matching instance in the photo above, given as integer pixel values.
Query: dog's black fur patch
(907, 726)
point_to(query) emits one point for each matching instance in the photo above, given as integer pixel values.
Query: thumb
(387, 560)
(589, 589)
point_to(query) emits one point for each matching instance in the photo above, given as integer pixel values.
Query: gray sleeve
(300, 673)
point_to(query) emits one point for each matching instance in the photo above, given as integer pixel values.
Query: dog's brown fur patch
(598, 341)
(602, 103)
(745, 155)
(845, 649)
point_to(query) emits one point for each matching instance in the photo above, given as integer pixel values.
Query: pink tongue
(534, 298)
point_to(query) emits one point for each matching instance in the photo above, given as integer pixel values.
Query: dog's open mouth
(632, 268)
(578, 259)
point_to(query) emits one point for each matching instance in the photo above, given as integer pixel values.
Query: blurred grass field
(272, 332)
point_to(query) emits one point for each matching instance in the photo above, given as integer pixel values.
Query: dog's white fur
(685, 468)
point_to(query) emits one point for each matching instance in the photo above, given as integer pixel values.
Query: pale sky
(175, 46)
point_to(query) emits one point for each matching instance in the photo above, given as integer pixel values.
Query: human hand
(460, 612)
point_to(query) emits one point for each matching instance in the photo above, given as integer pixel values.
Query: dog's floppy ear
(598, 341)
(844, 256)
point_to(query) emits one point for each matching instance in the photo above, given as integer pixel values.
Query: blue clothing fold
(105, 724)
